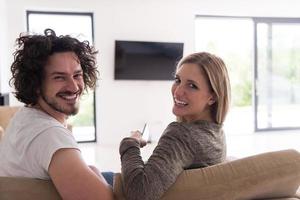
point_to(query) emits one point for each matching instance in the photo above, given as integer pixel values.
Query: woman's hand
(138, 136)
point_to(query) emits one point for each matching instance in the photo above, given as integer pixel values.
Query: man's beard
(51, 102)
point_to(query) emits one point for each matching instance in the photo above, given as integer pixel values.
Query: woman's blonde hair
(217, 76)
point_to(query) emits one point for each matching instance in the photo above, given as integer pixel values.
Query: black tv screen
(136, 60)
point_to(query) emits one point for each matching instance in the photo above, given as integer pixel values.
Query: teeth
(69, 97)
(180, 102)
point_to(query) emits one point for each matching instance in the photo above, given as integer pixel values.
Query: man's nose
(72, 85)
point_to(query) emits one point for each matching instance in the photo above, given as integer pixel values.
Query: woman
(201, 95)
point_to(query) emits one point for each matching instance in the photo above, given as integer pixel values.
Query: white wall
(126, 105)
(3, 45)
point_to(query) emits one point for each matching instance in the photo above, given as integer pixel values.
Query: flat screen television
(138, 60)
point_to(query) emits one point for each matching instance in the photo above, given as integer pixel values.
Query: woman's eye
(193, 86)
(176, 80)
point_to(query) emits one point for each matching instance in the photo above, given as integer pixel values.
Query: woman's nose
(178, 90)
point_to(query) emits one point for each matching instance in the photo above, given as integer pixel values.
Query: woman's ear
(211, 102)
(212, 99)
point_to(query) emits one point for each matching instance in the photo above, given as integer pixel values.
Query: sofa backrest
(273, 175)
(263, 176)
(27, 189)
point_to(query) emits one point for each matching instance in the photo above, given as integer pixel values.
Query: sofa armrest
(269, 175)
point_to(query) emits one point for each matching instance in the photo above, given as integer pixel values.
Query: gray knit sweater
(181, 146)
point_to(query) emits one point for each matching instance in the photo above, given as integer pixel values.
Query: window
(262, 58)
(231, 39)
(277, 77)
(79, 25)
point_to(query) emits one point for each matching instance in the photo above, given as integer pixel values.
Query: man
(49, 74)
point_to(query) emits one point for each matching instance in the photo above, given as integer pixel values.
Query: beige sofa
(6, 112)
(272, 175)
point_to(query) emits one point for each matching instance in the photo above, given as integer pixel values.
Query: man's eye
(59, 78)
(77, 76)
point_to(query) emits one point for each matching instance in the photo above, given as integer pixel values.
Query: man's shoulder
(34, 116)
(32, 122)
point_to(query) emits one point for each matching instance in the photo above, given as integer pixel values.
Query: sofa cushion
(269, 175)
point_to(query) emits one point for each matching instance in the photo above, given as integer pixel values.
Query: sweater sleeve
(149, 181)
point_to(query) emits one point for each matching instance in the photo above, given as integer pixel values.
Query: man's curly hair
(31, 57)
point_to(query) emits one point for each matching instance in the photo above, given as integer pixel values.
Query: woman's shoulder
(196, 124)
(207, 125)
(177, 126)
(199, 126)
(182, 129)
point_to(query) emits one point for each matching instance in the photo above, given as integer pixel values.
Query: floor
(106, 157)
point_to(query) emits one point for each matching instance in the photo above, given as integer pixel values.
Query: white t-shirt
(29, 142)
